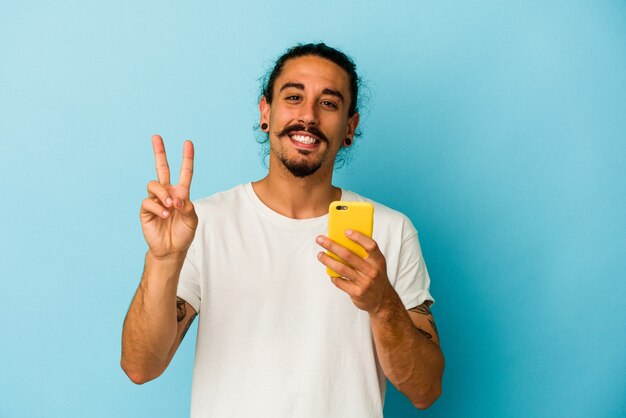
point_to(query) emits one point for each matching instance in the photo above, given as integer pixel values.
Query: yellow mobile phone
(342, 215)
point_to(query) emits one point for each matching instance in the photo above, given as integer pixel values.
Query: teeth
(303, 139)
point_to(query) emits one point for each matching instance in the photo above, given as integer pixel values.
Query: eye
(293, 98)
(328, 103)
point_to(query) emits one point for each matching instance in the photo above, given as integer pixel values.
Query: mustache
(298, 127)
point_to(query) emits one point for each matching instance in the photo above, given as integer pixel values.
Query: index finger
(186, 169)
(162, 168)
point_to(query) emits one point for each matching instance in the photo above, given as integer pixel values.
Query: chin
(301, 168)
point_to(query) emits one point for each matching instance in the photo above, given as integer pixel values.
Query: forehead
(314, 71)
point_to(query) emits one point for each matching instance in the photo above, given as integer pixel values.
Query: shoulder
(224, 209)
(221, 201)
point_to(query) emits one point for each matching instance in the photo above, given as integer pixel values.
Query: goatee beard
(301, 169)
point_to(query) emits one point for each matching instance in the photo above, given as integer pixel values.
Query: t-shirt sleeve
(189, 279)
(412, 282)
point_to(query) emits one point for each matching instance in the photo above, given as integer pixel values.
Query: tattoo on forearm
(423, 309)
(432, 324)
(181, 311)
(187, 327)
(424, 333)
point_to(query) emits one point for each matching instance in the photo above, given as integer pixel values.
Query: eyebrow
(300, 86)
(334, 93)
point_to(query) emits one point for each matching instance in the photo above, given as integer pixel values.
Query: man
(277, 337)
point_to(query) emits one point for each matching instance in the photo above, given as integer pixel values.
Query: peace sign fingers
(186, 169)
(162, 168)
(168, 218)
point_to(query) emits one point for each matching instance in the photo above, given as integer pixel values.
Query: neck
(294, 197)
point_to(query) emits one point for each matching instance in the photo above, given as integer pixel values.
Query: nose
(308, 113)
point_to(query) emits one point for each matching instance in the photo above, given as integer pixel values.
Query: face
(308, 118)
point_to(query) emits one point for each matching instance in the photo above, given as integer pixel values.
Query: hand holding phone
(343, 215)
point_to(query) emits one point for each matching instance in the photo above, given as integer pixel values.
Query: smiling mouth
(303, 136)
(304, 139)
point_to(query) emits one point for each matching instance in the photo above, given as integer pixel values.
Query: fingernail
(165, 213)
(319, 240)
(168, 201)
(348, 232)
(319, 255)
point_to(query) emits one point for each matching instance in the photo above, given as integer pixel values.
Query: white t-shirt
(275, 337)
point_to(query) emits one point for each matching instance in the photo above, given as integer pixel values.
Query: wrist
(163, 269)
(389, 305)
(166, 259)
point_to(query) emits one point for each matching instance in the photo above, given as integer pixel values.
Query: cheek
(339, 130)
(282, 113)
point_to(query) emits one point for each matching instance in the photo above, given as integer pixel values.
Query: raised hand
(168, 218)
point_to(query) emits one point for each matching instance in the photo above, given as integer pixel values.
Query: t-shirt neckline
(282, 219)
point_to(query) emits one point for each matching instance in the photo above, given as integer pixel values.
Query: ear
(353, 122)
(264, 110)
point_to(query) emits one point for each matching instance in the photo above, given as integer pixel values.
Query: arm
(411, 360)
(408, 349)
(156, 321)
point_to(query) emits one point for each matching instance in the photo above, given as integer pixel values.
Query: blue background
(499, 127)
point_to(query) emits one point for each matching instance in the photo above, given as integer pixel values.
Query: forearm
(410, 360)
(151, 324)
